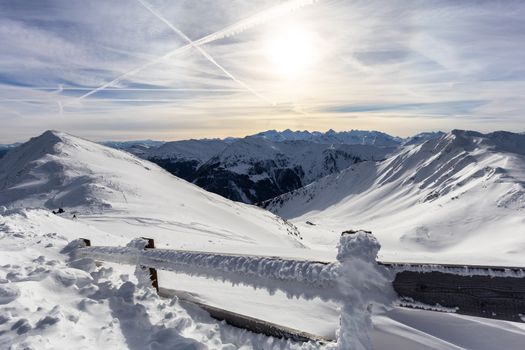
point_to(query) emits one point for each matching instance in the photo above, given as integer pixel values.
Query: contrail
(257, 19)
(54, 89)
(203, 52)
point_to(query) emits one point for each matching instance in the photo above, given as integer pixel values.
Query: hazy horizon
(139, 138)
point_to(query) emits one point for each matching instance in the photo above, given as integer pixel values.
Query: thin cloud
(396, 66)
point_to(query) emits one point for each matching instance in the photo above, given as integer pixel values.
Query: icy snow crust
(459, 198)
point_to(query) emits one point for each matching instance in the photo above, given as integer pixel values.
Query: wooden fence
(483, 291)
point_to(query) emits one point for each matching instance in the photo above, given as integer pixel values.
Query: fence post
(152, 272)
(365, 287)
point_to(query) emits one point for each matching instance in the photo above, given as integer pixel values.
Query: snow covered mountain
(458, 196)
(422, 137)
(59, 170)
(260, 166)
(183, 158)
(48, 301)
(352, 137)
(255, 169)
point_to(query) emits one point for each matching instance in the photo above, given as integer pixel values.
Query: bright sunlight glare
(292, 51)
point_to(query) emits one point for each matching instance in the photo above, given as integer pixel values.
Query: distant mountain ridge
(5, 148)
(261, 166)
(255, 169)
(269, 163)
(352, 137)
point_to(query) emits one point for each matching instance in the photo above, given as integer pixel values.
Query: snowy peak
(499, 141)
(56, 169)
(456, 159)
(357, 137)
(59, 170)
(435, 195)
(422, 137)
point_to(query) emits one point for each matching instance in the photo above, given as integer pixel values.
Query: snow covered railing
(355, 280)
(495, 292)
(296, 278)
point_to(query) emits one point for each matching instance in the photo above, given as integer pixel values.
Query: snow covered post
(365, 286)
(143, 273)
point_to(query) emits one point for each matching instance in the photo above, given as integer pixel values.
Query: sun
(291, 51)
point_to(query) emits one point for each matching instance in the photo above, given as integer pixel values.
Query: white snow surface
(50, 302)
(131, 197)
(456, 199)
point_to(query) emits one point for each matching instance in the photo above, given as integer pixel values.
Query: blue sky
(167, 69)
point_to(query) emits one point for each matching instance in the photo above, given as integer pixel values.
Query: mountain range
(456, 195)
(261, 166)
(454, 198)
(434, 196)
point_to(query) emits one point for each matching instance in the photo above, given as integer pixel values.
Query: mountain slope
(267, 164)
(111, 186)
(183, 158)
(461, 194)
(255, 169)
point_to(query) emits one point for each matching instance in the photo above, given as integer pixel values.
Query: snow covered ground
(46, 303)
(49, 302)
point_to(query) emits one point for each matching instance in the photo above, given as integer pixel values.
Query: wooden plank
(152, 272)
(452, 266)
(483, 296)
(245, 322)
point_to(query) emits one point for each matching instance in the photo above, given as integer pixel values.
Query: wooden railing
(483, 291)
